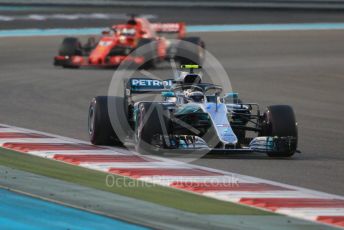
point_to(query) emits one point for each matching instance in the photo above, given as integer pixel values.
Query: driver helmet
(194, 96)
(188, 78)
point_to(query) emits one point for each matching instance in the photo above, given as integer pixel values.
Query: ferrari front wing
(78, 61)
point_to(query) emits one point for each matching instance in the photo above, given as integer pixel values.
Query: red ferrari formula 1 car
(117, 43)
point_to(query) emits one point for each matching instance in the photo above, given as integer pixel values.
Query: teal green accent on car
(186, 109)
(233, 95)
(136, 112)
(168, 94)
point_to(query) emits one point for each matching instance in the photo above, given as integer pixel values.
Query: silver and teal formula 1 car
(190, 116)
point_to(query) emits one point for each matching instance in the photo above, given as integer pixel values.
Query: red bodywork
(127, 36)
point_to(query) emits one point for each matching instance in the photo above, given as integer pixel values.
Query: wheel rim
(200, 53)
(91, 119)
(140, 124)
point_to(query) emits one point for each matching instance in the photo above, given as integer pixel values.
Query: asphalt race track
(302, 68)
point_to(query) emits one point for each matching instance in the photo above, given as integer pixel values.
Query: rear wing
(147, 85)
(178, 27)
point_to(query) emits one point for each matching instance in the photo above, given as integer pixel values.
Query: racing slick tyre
(152, 123)
(191, 54)
(89, 45)
(70, 47)
(279, 121)
(150, 52)
(100, 129)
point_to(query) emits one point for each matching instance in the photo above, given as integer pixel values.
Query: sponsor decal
(166, 27)
(105, 43)
(150, 84)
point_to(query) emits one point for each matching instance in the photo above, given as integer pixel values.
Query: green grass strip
(148, 192)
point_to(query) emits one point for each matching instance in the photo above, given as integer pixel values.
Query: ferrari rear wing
(178, 27)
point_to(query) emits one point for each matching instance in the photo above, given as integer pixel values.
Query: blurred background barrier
(286, 4)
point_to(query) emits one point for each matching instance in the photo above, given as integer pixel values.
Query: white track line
(33, 140)
(168, 180)
(236, 196)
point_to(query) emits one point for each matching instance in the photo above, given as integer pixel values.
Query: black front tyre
(152, 124)
(279, 121)
(89, 45)
(100, 130)
(70, 47)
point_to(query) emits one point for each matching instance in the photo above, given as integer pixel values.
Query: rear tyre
(191, 54)
(149, 52)
(70, 47)
(152, 124)
(100, 130)
(279, 120)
